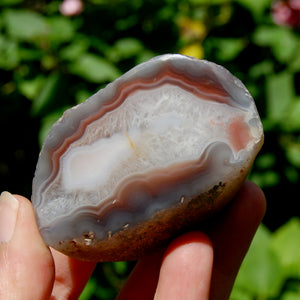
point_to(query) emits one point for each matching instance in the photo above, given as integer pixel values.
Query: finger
(186, 268)
(248, 207)
(182, 272)
(26, 264)
(232, 235)
(71, 276)
(142, 281)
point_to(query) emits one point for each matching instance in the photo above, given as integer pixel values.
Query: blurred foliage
(49, 62)
(271, 269)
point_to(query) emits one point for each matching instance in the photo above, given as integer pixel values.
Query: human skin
(200, 264)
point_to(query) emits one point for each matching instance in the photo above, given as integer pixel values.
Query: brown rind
(134, 242)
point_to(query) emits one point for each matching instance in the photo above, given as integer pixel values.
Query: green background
(49, 62)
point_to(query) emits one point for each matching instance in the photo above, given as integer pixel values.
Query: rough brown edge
(132, 243)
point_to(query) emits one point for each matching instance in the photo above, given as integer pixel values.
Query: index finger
(71, 276)
(231, 236)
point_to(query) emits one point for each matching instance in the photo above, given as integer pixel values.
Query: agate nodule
(162, 147)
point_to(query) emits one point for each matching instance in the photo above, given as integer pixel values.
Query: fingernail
(8, 216)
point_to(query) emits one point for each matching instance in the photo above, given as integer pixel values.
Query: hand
(194, 266)
(201, 266)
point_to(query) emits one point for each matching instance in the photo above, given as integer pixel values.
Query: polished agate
(155, 151)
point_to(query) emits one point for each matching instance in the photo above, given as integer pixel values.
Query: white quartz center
(150, 129)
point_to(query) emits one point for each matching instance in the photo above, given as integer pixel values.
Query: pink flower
(295, 4)
(286, 13)
(71, 7)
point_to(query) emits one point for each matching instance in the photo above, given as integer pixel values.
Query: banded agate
(162, 147)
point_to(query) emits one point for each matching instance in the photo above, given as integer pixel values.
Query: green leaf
(144, 56)
(121, 267)
(286, 244)
(48, 121)
(216, 2)
(46, 95)
(10, 2)
(82, 95)
(61, 29)
(290, 295)
(30, 54)
(294, 64)
(31, 88)
(89, 290)
(9, 54)
(260, 273)
(291, 121)
(293, 152)
(25, 25)
(240, 294)
(283, 107)
(265, 179)
(263, 68)
(94, 68)
(229, 48)
(126, 22)
(280, 93)
(266, 35)
(292, 174)
(283, 42)
(257, 7)
(266, 161)
(75, 49)
(125, 48)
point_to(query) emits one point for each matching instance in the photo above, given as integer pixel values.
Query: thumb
(26, 264)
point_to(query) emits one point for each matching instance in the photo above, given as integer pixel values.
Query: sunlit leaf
(230, 48)
(263, 68)
(31, 88)
(94, 68)
(25, 24)
(75, 49)
(125, 48)
(261, 272)
(292, 120)
(291, 295)
(280, 93)
(240, 294)
(89, 290)
(286, 244)
(61, 29)
(265, 179)
(144, 56)
(282, 41)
